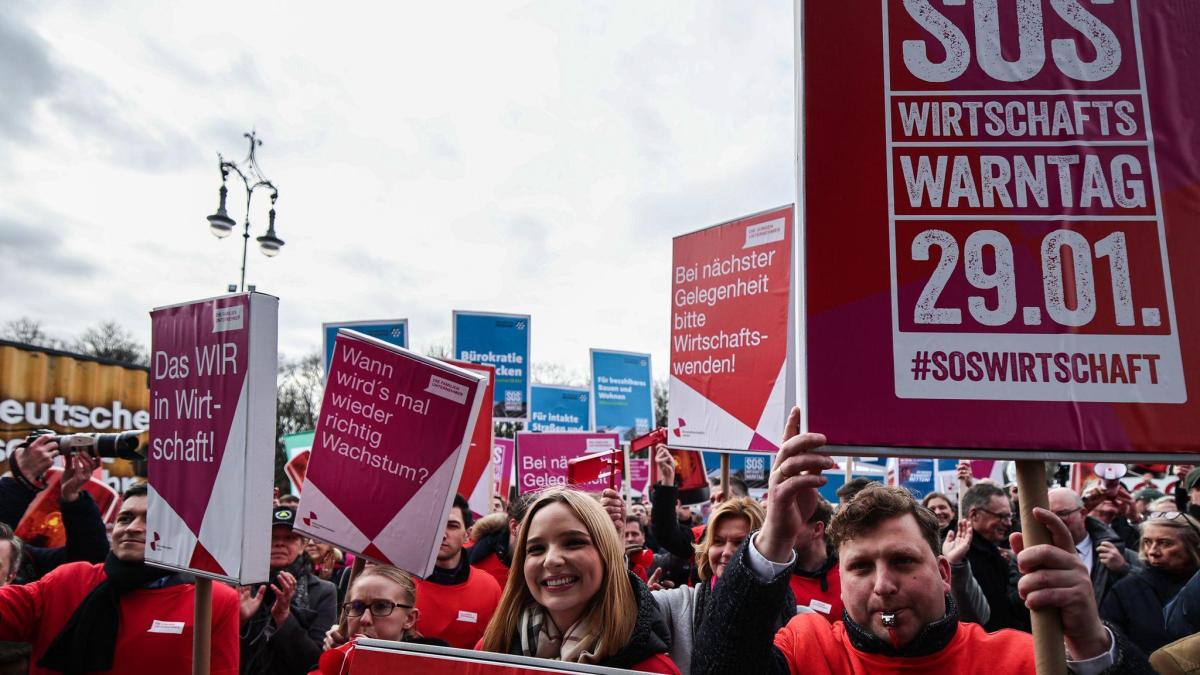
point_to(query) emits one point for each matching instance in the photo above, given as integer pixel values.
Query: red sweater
(813, 646)
(155, 633)
(460, 613)
(494, 566)
(828, 602)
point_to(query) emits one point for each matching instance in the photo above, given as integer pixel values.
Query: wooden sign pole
(1047, 623)
(355, 570)
(202, 629)
(725, 475)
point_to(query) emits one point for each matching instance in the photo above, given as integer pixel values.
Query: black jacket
(1103, 579)
(736, 634)
(675, 538)
(1135, 605)
(997, 579)
(493, 542)
(651, 635)
(296, 645)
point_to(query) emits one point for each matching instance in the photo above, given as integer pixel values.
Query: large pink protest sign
(388, 451)
(211, 459)
(999, 227)
(542, 458)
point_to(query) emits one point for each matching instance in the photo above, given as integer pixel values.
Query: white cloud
(532, 157)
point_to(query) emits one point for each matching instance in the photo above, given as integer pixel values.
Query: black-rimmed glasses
(994, 514)
(378, 608)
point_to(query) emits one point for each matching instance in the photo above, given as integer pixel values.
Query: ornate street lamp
(220, 224)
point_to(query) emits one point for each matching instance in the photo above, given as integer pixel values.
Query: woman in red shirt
(574, 600)
(381, 604)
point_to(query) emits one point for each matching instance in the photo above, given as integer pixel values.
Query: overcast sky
(527, 157)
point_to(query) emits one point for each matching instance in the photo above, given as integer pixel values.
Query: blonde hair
(613, 610)
(1184, 526)
(408, 587)
(738, 507)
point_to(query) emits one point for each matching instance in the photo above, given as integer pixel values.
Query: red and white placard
(732, 334)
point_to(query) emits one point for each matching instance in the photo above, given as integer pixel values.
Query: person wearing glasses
(986, 507)
(382, 605)
(1101, 550)
(1171, 550)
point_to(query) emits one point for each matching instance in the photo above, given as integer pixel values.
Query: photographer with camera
(87, 539)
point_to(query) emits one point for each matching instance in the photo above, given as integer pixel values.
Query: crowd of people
(789, 583)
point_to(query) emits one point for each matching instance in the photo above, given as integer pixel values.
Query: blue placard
(391, 331)
(554, 408)
(500, 340)
(917, 475)
(622, 398)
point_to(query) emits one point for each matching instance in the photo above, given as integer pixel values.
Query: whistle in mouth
(888, 619)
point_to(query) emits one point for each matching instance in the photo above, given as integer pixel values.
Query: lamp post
(220, 224)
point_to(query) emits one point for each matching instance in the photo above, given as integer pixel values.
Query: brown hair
(408, 587)
(738, 507)
(822, 514)
(937, 495)
(875, 504)
(613, 610)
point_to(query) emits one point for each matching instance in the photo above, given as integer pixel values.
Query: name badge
(168, 627)
(469, 617)
(822, 607)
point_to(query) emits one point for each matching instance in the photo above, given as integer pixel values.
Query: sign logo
(227, 318)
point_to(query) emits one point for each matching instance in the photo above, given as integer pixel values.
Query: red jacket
(820, 593)
(640, 563)
(494, 566)
(813, 646)
(155, 633)
(459, 613)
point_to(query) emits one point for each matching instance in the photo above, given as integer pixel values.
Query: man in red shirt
(120, 616)
(456, 601)
(899, 615)
(816, 580)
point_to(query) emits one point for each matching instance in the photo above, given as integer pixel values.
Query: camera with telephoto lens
(129, 445)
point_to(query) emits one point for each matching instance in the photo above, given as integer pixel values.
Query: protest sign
(917, 475)
(622, 397)
(607, 466)
(557, 408)
(295, 445)
(639, 475)
(989, 237)
(391, 441)
(503, 451)
(475, 483)
(732, 335)
(500, 340)
(391, 331)
(212, 436)
(382, 657)
(542, 457)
